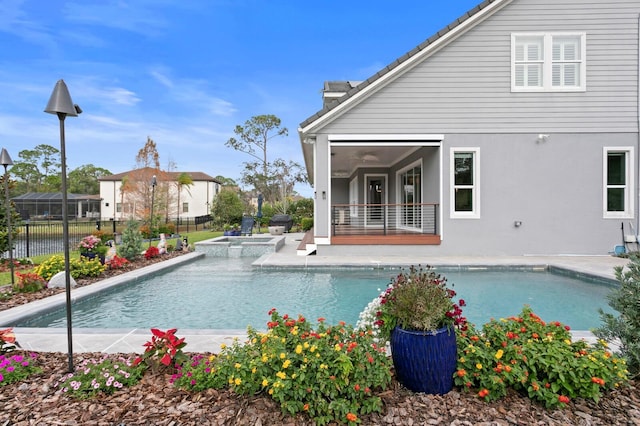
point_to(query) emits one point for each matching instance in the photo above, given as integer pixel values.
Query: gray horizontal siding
(466, 87)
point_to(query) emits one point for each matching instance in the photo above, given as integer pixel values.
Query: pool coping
(132, 340)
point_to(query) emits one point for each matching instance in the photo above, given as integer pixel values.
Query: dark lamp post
(154, 182)
(60, 103)
(5, 160)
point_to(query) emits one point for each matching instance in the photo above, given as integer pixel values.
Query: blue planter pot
(425, 361)
(91, 256)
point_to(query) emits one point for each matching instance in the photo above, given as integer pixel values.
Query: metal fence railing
(384, 219)
(45, 237)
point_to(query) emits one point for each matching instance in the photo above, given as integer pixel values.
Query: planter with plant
(92, 247)
(418, 316)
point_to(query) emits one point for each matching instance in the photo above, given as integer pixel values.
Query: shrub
(103, 375)
(151, 252)
(307, 223)
(535, 358)
(118, 262)
(624, 329)
(78, 267)
(131, 246)
(329, 373)
(29, 282)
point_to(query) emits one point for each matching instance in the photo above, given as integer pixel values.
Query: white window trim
(399, 191)
(548, 62)
(475, 213)
(629, 201)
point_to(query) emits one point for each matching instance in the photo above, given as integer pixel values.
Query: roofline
(408, 60)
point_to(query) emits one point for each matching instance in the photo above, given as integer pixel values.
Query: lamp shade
(5, 159)
(60, 101)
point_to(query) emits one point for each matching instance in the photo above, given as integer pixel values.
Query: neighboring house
(128, 195)
(512, 131)
(48, 205)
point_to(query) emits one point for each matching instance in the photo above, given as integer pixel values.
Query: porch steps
(306, 246)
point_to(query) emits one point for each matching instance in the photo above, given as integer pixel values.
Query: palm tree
(184, 180)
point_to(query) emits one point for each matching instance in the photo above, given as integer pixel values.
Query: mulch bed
(154, 401)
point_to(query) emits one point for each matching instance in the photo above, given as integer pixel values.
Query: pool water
(222, 293)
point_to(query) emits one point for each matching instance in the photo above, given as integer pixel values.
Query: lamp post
(60, 103)
(5, 160)
(153, 193)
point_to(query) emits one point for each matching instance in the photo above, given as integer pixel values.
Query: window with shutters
(548, 62)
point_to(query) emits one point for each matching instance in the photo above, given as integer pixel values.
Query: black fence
(45, 237)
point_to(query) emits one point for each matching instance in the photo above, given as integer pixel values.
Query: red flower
(563, 399)
(351, 417)
(483, 393)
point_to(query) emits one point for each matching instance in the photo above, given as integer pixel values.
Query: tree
(225, 181)
(39, 169)
(275, 180)
(16, 221)
(184, 181)
(227, 208)
(84, 179)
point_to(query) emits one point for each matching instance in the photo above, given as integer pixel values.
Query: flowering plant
(536, 358)
(163, 349)
(93, 376)
(92, 244)
(16, 367)
(151, 252)
(417, 299)
(7, 340)
(29, 282)
(330, 373)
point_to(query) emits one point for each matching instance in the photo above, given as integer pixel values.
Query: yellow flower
(567, 341)
(223, 346)
(499, 354)
(337, 347)
(306, 345)
(237, 365)
(313, 348)
(479, 366)
(299, 349)
(231, 380)
(462, 360)
(212, 357)
(294, 331)
(324, 366)
(281, 375)
(253, 370)
(283, 340)
(265, 358)
(237, 381)
(254, 340)
(286, 364)
(283, 355)
(265, 383)
(270, 391)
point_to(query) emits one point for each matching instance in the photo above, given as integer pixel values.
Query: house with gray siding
(512, 131)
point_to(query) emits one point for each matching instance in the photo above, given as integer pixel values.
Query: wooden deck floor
(406, 239)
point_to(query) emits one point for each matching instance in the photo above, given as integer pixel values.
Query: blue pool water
(223, 293)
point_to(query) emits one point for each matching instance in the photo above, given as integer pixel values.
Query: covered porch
(385, 224)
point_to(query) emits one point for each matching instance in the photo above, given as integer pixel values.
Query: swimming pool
(222, 293)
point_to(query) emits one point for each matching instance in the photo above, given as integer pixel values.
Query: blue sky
(185, 73)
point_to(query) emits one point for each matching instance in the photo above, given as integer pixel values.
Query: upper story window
(548, 62)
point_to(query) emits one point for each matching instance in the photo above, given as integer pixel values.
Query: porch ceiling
(347, 159)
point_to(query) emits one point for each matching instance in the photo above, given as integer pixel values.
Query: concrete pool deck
(132, 340)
